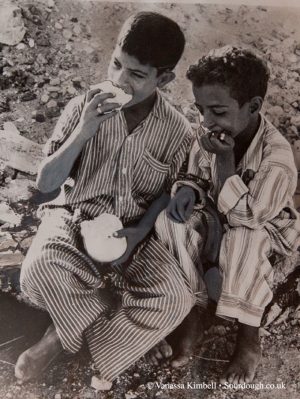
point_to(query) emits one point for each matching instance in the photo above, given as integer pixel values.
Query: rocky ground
(65, 49)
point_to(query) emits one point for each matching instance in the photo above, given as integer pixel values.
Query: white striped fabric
(123, 173)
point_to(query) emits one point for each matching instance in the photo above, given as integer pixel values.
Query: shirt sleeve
(198, 171)
(65, 125)
(255, 204)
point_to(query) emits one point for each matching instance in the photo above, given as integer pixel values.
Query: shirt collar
(159, 109)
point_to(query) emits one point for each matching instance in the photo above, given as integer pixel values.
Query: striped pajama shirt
(257, 203)
(121, 174)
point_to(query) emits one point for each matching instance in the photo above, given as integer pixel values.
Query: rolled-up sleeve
(255, 204)
(65, 125)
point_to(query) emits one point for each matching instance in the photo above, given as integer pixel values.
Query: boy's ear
(255, 104)
(165, 78)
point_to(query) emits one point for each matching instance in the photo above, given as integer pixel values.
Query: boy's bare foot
(162, 351)
(186, 337)
(182, 342)
(36, 359)
(246, 357)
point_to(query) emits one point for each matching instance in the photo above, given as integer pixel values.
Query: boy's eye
(136, 75)
(219, 112)
(117, 64)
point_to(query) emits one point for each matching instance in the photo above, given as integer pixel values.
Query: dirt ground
(72, 42)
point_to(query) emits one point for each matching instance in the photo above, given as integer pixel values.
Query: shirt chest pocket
(149, 176)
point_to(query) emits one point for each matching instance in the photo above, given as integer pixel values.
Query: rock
(55, 82)
(283, 317)
(292, 58)
(43, 40)
(12, 29)
(295, 120)
(31, 43)
(18, 152)
(28, 96)
(77, 30)
(11, 259)
(275, 111)
(130, 395)
(21, 46)
(57, 396)
(52, 104)
(44, 98)
(4, 103)
(67, 34)
(17, 190)
(7, 215)
(100, 385)
(263, 332)
(58, 26)
(7, 243)
(38, 116)
(273, 313)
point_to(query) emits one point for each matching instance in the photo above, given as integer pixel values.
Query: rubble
(7, 215)
(12, 29)
(273, 313)
(18, 152)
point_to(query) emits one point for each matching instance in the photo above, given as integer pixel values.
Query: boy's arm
(137, 233)
(260, 201)
(56, 168)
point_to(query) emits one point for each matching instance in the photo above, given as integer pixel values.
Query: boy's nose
(208, 121)
(122, 80)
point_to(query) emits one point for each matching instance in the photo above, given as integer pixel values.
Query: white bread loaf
(108, 86)
(98, 238)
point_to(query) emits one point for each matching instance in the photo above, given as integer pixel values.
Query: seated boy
(248, 168)
(122, 163)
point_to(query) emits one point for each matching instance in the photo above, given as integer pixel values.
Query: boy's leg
(157, 298)
(246, 291)
(185, 243)
(58, 277)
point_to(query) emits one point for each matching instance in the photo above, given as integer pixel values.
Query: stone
(55, 82)
(77, 30)
(19, 152)
(52, 104)
(67, 34)
(273, 313)
(12, 29)
(11, 259)
(21, 46)
(28, 96)
(44, 98)
(275, 111)
(58, 26)
(295, 120)
(7, 215)
(17, 190)
(100, 384)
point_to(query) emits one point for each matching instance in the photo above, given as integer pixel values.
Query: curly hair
(153, 39)
(243, 72)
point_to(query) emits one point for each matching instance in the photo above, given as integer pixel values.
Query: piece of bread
(98, 238)
(108, 86)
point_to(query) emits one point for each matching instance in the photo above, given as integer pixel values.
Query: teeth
(222, 136)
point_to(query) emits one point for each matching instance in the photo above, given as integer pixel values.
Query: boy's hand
(217, 143)
(96, 111)
(134, 235)
(181, 205)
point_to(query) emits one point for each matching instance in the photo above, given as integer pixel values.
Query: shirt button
(124, 170)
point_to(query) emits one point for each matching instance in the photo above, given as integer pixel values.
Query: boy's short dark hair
(153, 39)
(242, 71)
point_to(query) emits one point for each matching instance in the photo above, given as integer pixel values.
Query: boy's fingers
(106, 108)
(99, 98)
(91, 94)
(120, 233)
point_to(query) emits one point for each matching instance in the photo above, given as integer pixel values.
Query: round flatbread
(98, 238)
(108, 86)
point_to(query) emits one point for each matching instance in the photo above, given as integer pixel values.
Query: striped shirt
(118, 172)
(260, 194)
